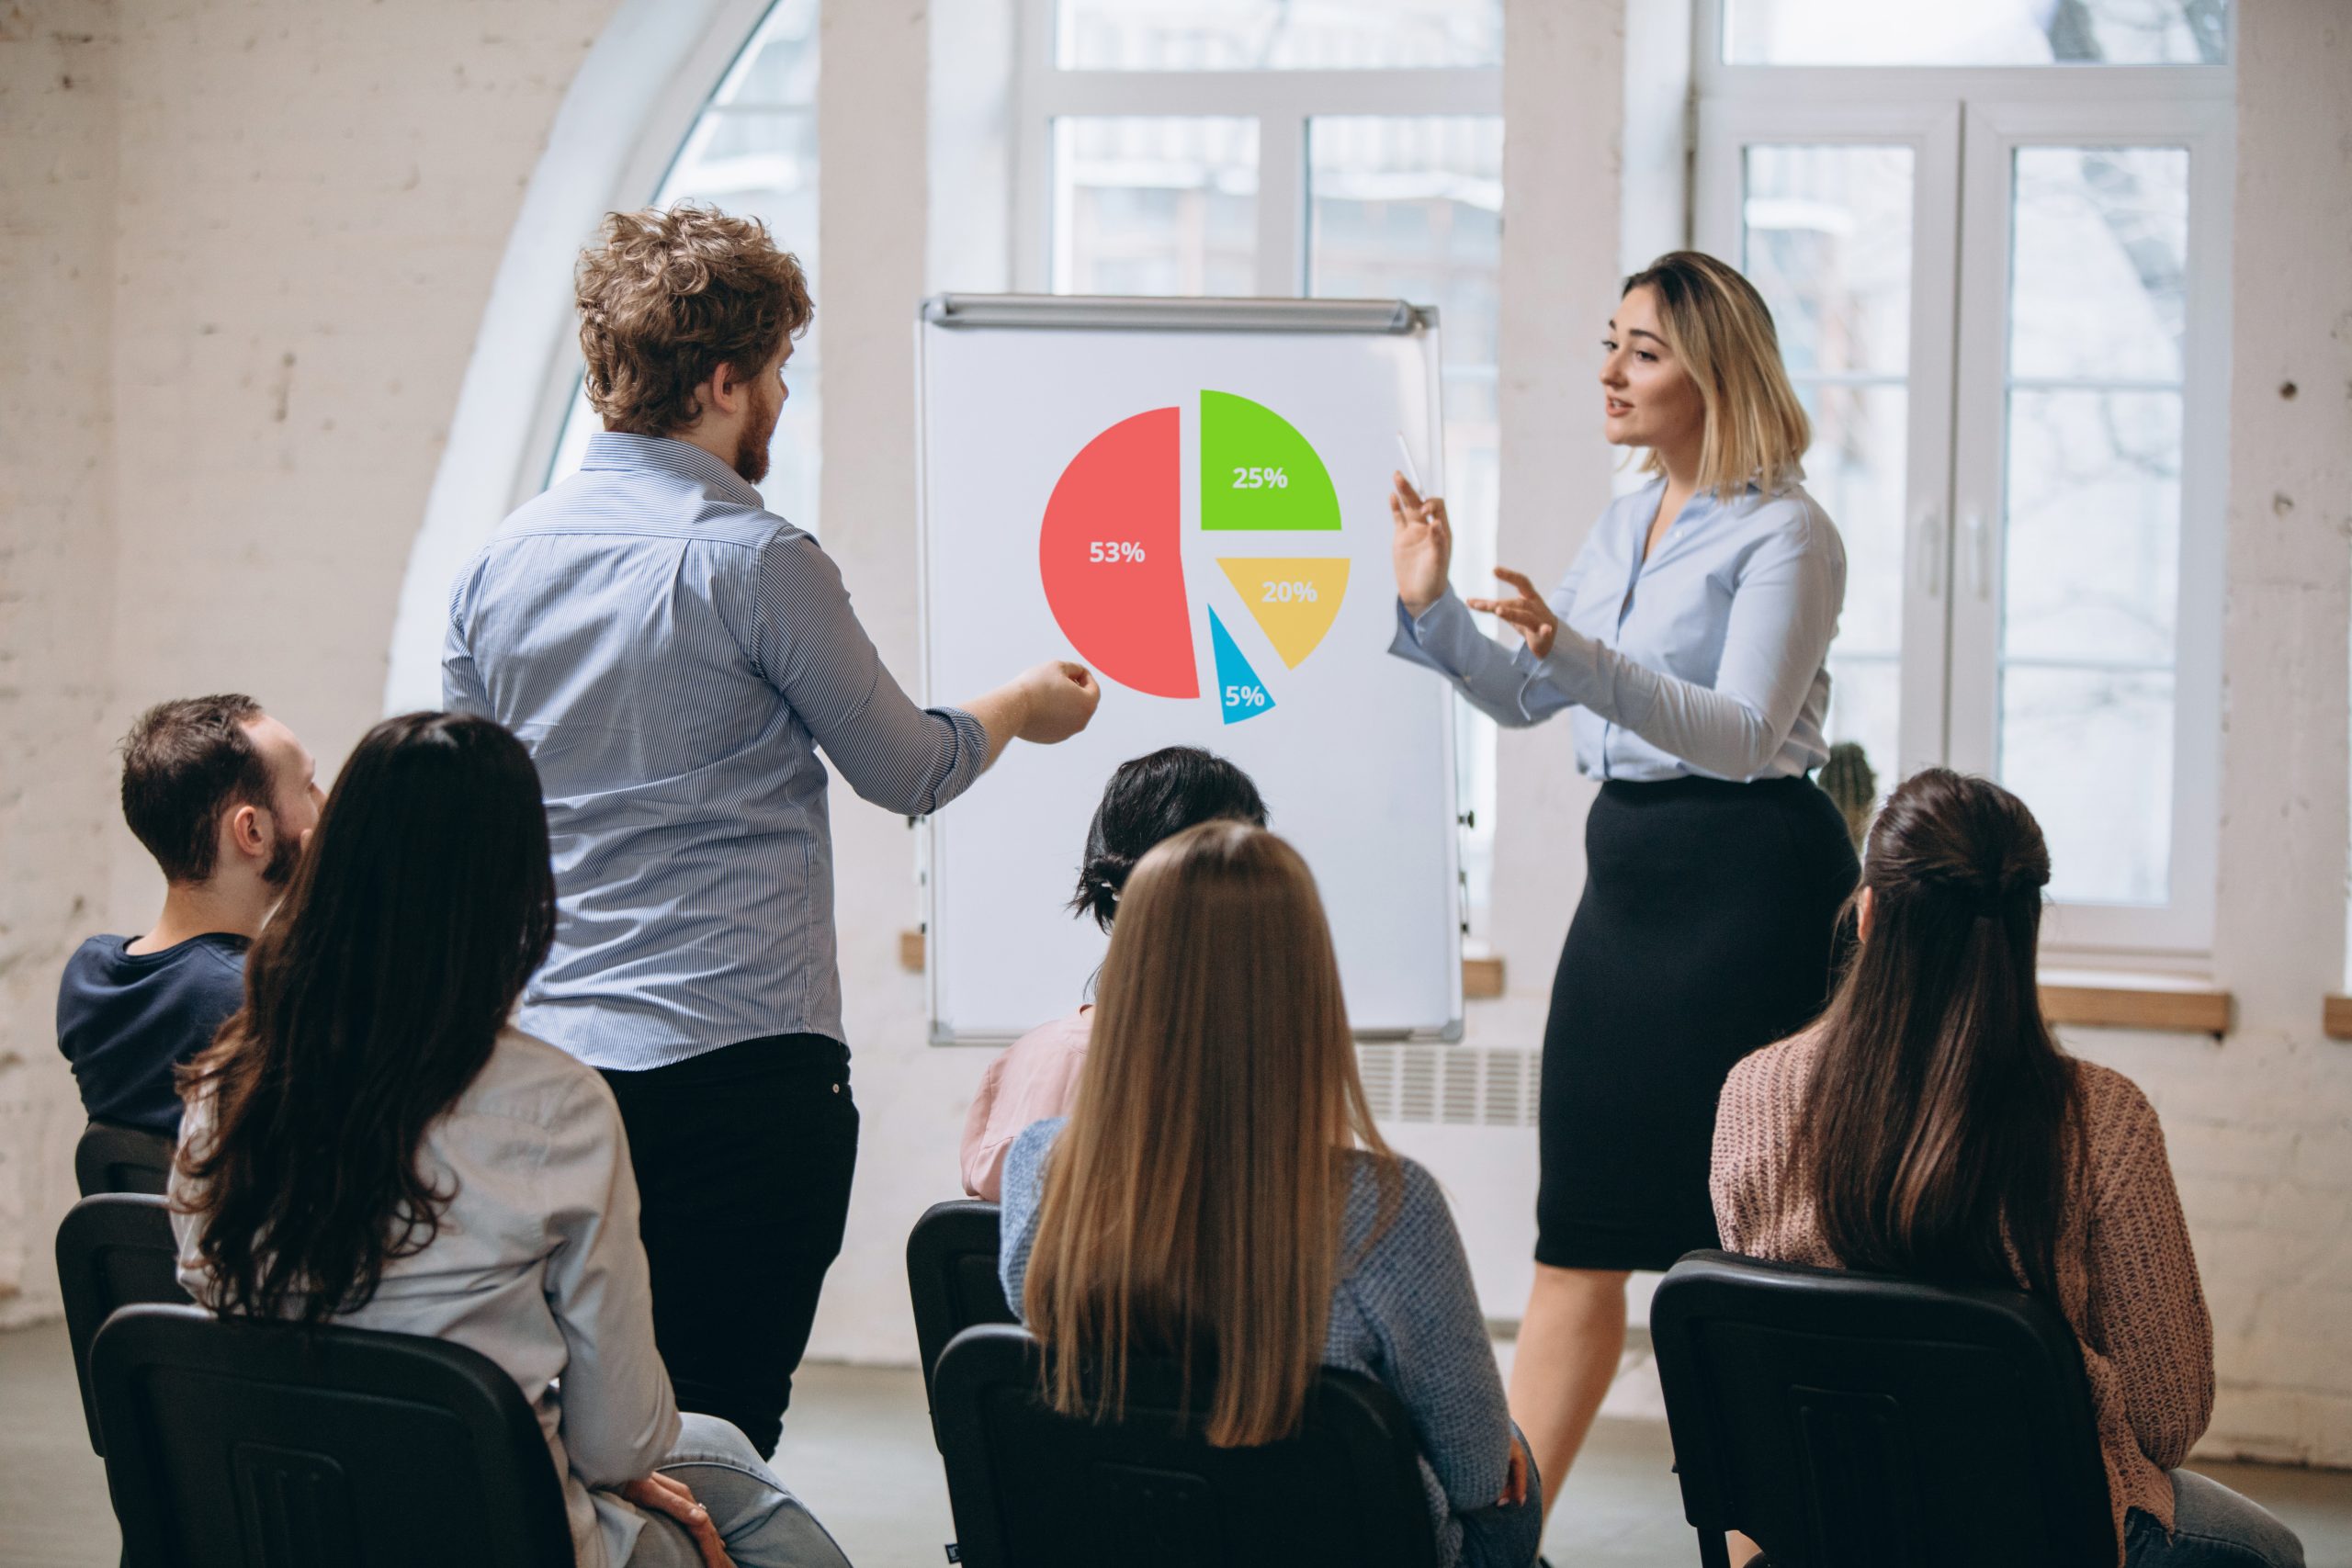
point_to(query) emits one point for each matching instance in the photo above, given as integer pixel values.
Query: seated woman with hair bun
(1148, 799)
(1930, 1126)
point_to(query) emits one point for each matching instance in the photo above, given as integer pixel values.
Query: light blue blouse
(1706, 658)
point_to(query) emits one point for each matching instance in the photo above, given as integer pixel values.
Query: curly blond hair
(668, 296)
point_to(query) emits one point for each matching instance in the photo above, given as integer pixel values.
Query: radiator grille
(1456, 1085)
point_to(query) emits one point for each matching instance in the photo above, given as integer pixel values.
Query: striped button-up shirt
(673, 655)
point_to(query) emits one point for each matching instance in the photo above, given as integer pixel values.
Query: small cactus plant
(1846, 778)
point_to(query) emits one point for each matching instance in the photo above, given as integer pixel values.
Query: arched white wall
(628, 110)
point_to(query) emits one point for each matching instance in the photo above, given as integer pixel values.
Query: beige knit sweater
(2127, 1280)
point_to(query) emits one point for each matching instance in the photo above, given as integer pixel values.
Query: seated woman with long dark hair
(1930, 1125)
(1220, 1186)
(369, 1144)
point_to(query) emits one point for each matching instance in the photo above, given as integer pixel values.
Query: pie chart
(1112, 550)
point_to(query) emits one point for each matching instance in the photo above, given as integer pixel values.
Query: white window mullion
(1981, 408)
(1282, 204)
(1033, 148)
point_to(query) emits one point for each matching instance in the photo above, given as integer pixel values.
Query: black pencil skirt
(1707, 930)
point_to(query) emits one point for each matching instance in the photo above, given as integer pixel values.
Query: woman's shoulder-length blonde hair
(1193, 1206)
(1719, 327)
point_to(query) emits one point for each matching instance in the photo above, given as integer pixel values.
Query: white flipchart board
(1356, 756)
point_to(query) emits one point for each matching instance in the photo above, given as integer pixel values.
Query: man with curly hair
(675, 655)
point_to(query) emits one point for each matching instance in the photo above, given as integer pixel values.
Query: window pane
(1866, 707)
(1155, 206)
(1410, 208)
(2091, 531)
(2090, 750)
(2100, 250)
(2093, 567)
(1828, 233)
(1979, 32)
(1277, 35)
(757, 161)
(780, 66)
(1855, 470)
(1825, 237)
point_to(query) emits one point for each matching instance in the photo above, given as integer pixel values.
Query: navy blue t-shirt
(125, 1020)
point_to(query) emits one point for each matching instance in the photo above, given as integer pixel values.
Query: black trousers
(743, 1158)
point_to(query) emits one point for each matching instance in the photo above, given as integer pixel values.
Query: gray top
(537, 1266)
(674, 656)
(1707, 656)
(1404, 1312)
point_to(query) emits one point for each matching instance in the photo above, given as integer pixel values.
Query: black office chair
(951, 1274)
(1852, 1421)
(1041, 1490)
(112, 1250)
(236, 1443)
(112, 1157)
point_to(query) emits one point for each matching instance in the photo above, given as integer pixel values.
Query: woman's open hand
(1422, 547)
(1524, 609)
(664, 1493)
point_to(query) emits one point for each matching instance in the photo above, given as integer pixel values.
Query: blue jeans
(764, 1525)
(2212, 1528)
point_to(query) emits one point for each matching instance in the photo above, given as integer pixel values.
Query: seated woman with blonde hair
(1930, 1126)
(1220, 1189)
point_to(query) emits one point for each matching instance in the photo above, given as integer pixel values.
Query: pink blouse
(1036, 1079)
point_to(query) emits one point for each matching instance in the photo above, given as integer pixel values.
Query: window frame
(687, 102)
(1971, 119)
(1283, 102)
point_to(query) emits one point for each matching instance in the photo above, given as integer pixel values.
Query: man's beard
(284, 855)
(751, 451)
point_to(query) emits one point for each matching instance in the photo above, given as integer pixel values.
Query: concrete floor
(858, 1451)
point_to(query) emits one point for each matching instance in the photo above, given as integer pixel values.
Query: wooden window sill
(2070, 999)
(1482, 977)
(2336, 1017)
(2108, 999)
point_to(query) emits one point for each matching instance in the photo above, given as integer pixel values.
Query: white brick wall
(57, 78)
(246, 255)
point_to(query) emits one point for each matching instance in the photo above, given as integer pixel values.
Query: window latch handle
(1928, 535)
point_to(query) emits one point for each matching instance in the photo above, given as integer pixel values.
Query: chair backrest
(235, 1443)
(114, 1158)
(952, 1277)
(112, 1250)
(1041, 1490)
(1843, 1420)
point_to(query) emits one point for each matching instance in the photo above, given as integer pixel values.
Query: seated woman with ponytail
(368, 1143)
(1930, 1126)
(1146, 800)
(1219, 1193)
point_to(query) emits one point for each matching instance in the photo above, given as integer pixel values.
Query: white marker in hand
(1411, 473)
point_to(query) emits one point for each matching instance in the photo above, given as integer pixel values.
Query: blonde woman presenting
(1688, 642)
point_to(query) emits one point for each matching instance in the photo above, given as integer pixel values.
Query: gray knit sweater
(1407, 1315)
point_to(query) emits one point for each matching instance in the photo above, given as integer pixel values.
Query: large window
(753, 152)
(1999, 275)
(1335, 147)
